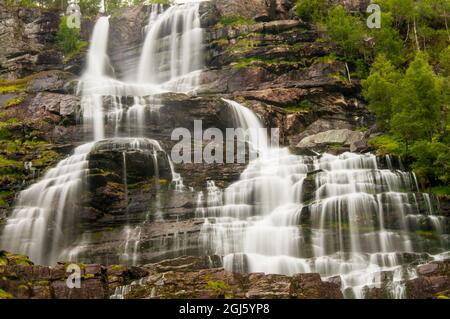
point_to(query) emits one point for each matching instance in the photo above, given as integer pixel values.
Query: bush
(312, 10)
(68, 38)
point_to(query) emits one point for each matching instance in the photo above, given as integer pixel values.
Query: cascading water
(95, 75)
(37, 226)
(172, 51)
(359, 223)
(41, 224)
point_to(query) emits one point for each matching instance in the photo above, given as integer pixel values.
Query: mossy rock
(5, 295)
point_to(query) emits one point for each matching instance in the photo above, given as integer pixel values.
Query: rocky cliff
(284, 69)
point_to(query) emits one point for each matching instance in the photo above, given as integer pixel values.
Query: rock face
(198, 277)
(30, 35)
(343, 137)
(276, 67)
(21, 279)
(184, 277)
(433, 281)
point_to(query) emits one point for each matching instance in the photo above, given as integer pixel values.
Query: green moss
(5, 162)
(14, 86)
(441, 191)
(5, 295)
(19, 260)
(4, 196)
(258, 61)
(165, 2)
(427, 234)
(303, 107)
(118, 267)
(14, 101)
(79, 48)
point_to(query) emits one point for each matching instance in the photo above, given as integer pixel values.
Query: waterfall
(356, 225)
(42, 224)
(172, 51)
(41, 221)
(95, 77)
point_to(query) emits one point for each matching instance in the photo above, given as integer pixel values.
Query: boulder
(344, 137)
(60, 104)
(433, 281)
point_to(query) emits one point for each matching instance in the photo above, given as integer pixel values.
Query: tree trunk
(446, 24)
(348, 73)
(415, 34)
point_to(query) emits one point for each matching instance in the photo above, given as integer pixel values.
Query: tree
(68, 38)
(444, 61)
(432, 162)
(346, 31)
(417, 105)
(380, 88)
(388, 41)
(312, 10)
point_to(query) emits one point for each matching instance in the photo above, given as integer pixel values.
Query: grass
(303, 107)
(441, 190)
(5, 295)
(258, 61)
(13, 86)
(14, 101)
(81, 45)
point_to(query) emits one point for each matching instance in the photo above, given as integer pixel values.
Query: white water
(37, 225)
(172, 51)
(94, 76)
(41, 224)
(355, 226)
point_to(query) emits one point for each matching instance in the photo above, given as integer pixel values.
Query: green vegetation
(405, 71)
(69, 38)
(5, 295)
(312, 10)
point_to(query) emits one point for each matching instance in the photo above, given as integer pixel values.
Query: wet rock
(250, 9)
(342, 137)
(51, 81)
(60, 104)
(90, 289)
(310, 286)
(30, 34)
(427, 269)
(181, 281)
(433, 281)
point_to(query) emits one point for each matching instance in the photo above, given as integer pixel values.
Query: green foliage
(312, 10)
(388, 40)
(159, 1)
(432, 161)
(68, 38)
(346, 31)
(5, 295)
(417, 104)
(380, 88)
(90, 7)
(444, 61)
(441, 191)
(386, 144)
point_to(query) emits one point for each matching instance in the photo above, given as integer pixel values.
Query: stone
(427, 269)
(343, 137)
(60, 104)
